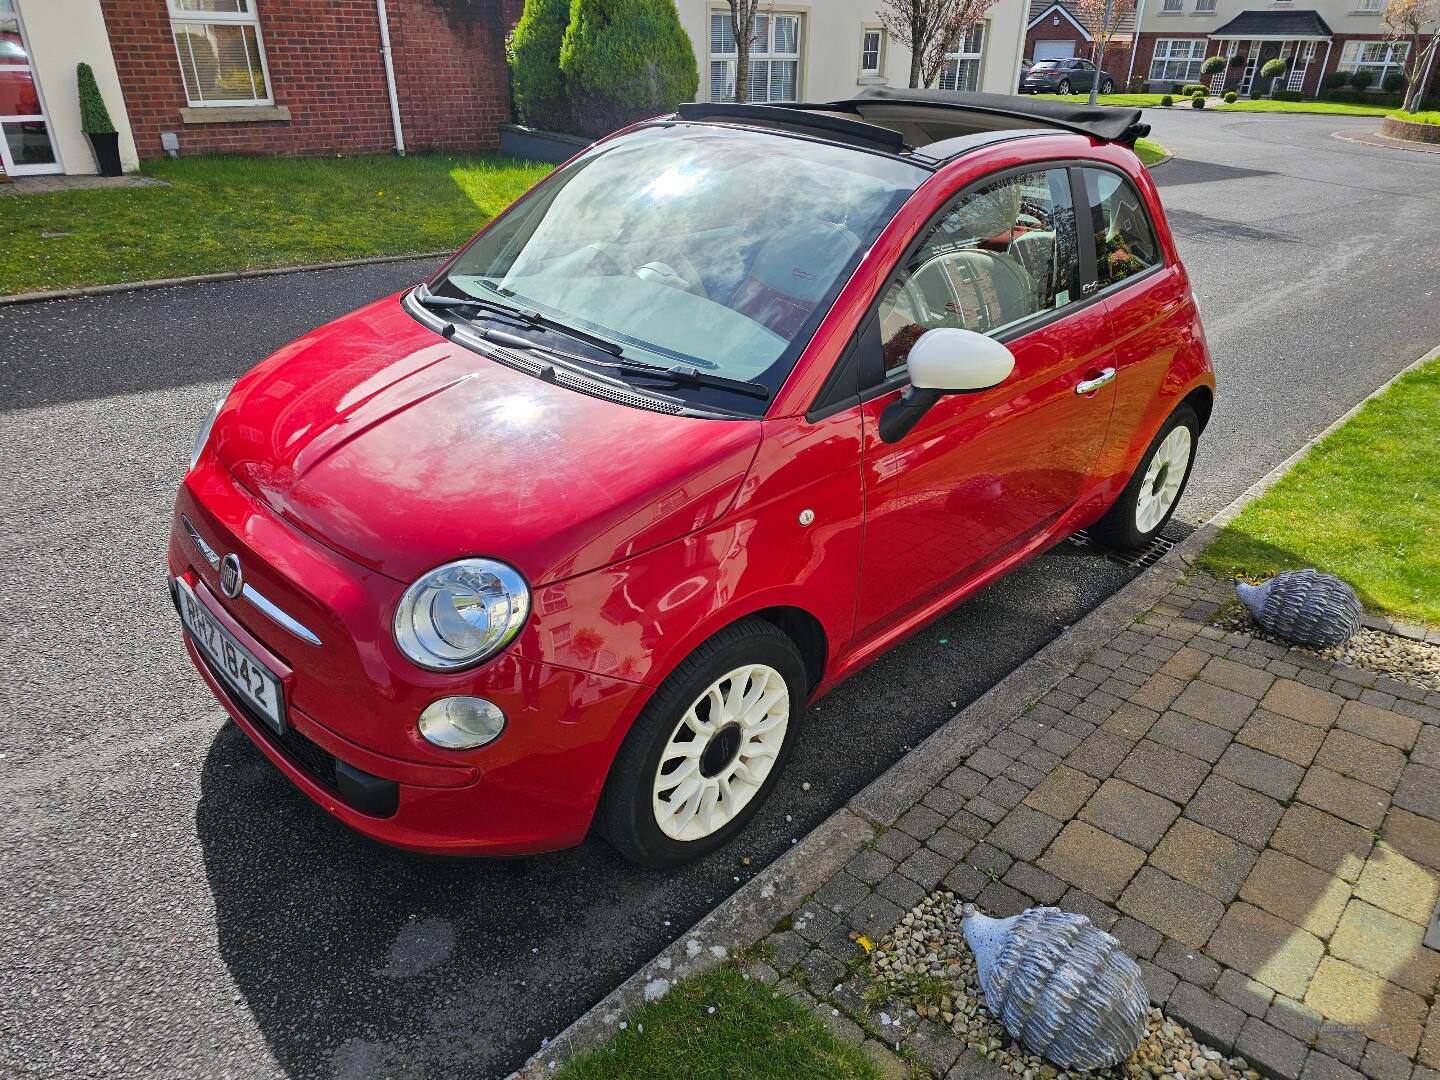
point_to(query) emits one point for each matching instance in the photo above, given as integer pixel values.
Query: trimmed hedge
(624, 61)
(1191, 88)
(1273, 69)
(1362, 79)
(1198, 101)
(1230, 97)
(1213, 65)
(540, 96)
(1287, 95)
(1167, 100)
(94, 116)
(1393, 83)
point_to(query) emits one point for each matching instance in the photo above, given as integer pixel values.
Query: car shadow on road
(1180, 171)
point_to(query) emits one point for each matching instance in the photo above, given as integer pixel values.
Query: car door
(1084, 75)
(982, 473)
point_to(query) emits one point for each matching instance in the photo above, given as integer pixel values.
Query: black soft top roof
(1103, 121)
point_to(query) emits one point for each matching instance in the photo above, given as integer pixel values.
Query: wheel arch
(807, 633)
(1202, 400)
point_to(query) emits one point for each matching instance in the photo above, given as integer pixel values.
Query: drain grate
(1137, 560)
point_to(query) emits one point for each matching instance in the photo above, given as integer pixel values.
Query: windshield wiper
(681, 375)
(520, 315)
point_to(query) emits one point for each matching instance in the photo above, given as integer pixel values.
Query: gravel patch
(926, 963)
(1401, 658)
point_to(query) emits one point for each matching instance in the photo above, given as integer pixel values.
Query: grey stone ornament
(1060, 985)
(1303, 606)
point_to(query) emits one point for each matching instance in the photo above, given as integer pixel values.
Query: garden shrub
(1393, 83)
(1335, 80)
(1287, 95)
(1167, 100)
(625, 60)
(1190, 89)
(540, 95)
(1273, 69)
(1213, 65)
(1198, 101)
(1230, 97)
(94, 116)
(1362, 79)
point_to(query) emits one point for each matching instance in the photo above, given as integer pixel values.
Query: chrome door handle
(1086, 386)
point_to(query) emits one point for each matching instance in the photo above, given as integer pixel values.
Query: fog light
(461, 723)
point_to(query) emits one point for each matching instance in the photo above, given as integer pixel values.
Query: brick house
(1333, 35)
(252, 76)
(1056, 31)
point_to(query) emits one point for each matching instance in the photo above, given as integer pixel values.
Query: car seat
(791, 273)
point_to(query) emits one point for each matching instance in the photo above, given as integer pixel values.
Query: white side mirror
(953, 361)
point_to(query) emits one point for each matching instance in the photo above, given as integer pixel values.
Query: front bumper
(351, 708)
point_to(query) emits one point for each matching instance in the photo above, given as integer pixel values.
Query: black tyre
(1107, 87)
(1063, 88)
(707, 749)
(1153, 493)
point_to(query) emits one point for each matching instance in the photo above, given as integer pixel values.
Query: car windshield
(707, 246)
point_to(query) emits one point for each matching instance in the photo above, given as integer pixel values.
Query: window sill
(234, 114)
(872, 80)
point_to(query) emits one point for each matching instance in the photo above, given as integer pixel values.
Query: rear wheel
(1152, 494)
(708, 748)
(1063, 88)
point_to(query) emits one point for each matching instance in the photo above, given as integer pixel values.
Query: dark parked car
(1064, 77)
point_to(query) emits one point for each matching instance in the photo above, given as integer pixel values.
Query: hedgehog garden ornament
(1060, 985)
(1303, 606)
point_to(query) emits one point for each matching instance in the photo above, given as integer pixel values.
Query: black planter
(107, 152)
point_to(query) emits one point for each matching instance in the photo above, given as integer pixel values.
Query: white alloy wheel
(1161, 486)
(720, 752)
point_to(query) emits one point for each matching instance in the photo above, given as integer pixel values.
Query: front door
(26, 143)
(981, 474)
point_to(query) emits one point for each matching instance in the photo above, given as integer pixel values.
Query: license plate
(249, 679)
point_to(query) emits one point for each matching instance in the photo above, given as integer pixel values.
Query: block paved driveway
(1259, 826)
(176, 908)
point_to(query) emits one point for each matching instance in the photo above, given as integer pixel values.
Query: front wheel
(1107, 87)
(1064, 88)
(1152, 494)
(707, 749)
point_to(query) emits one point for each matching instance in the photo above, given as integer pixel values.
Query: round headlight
(461, 613)
(203, 435)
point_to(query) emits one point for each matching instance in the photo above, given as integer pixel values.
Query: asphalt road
(172, 907)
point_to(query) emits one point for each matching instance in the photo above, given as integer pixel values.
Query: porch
(1253, 38)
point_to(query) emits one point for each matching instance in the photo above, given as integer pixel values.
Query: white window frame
(1169, 51)
(1352, 58)
(971, 49)
(878, 70)
(251, 18)
(762, 51)
(1370, 7)
(7, 165)
(1172, 7)
(1205, 7)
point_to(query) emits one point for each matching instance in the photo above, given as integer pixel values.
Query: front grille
(314, 761)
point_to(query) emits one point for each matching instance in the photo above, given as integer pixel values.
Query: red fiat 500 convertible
(713, 416)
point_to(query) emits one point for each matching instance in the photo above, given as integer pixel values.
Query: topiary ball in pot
(625, 61)
(1060, 985)
(1303, 606)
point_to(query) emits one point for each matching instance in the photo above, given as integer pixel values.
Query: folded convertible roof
(934, 124)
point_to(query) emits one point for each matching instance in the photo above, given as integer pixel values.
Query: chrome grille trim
(277, 615)
(258, 600)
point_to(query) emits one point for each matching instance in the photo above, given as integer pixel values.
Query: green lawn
(235, 213)
(1364, 504)
(1337, 108)
(720, 1026)
(1150, 151)
(1416, 118)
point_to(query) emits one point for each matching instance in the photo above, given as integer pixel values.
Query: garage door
(1054, 50)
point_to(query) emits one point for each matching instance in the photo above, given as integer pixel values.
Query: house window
(1204, 5)
(1380, 58)
(1177, 60)
(1173, 7)
(962, 67)
(870, 45)
(222, 55)
(774, 58)
(1370, 5)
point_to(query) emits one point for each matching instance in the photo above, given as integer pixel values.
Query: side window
(1124, 240)
(996, 256)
